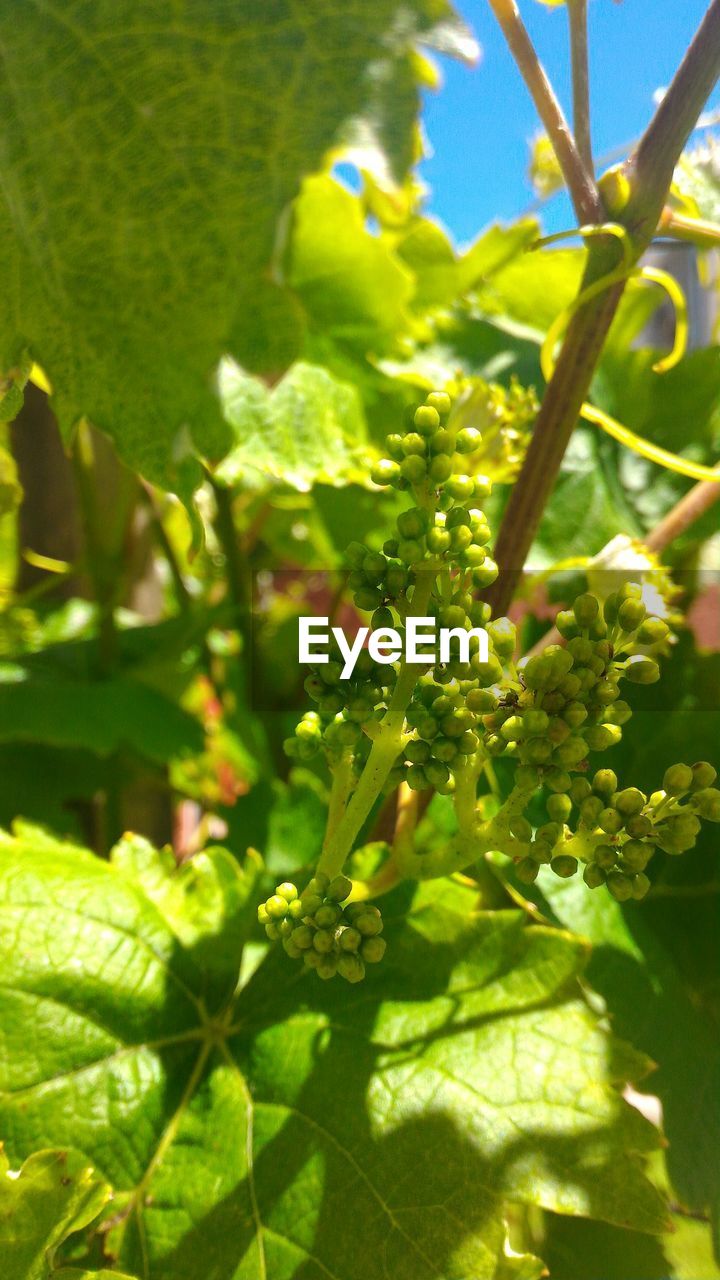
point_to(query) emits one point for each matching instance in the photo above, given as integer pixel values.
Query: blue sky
(481, 121)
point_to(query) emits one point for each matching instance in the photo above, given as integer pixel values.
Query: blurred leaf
(353, 287)
(166, 193)
(54, 1194)
(308, 428)
(237, 1132)
(102, 716)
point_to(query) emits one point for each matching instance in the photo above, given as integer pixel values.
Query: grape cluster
(546, 714)
(319, 927)
(617, 830)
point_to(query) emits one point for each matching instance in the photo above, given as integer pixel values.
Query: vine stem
(577, 16)
(696, 502)
(640, 190)
(578, 178)
(383, 753)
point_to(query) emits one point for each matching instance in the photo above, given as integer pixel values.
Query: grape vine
(436, 726)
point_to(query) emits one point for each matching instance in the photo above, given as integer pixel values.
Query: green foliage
(150, 1062)
(162, 254)
(54, 1194)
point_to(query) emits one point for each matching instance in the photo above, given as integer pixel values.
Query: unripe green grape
(285, 928)
(620, 886)
(640, 670)
(385, 472)
(635, 855)
(707, 804)
(412, 523)
(527, 870)
(703, 775)
(393, 447)
(311, 959)
(287, 891)
(619, 713)
(369, 922)
(373, 950)
(382, 617)
(437, 774)
(638, 826)
(272, 931)
(302, 936)
(427, 420)
(653, 631)
(566, 623)
(473, 557)
(390, 547)
(417, 752)
(570, 753)
(468, 440)
(503, 635)
(296, 910)
(276, 907)
(536, 721)
(350, 967)
(678, 779)
(559, 807)
(629, 802)
(629, 591)
(513, 729)
(396, 580)
(262, 914)
(331, 672)
(411, 551)
(481, 701)
(486, 574)
(461, 488)
(537, 750)
(604, 693)
(590, 809)
(601, 737)
(488, 673)
(520, 828)
(540, 852)
(580, 790)
(460, 538)
(445, 749)
(442, 442)
(311, 903)
(575, 714)
(413, 469)
(610, 609)
(441, 401)
(438, 541)
(417, 778)
(610, 821)
(586, 609)
(557, 780)
(640, 886)
(594, 876)
(323, 941)
(564, 865)
(605, 855)
(339, 888)
(349, 939)
(581, 650)
(413, 445)
(289, 946)
(631, 614)
(368, 599)
(327, 968)
(537, 672)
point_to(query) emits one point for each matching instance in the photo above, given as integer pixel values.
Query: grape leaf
(54, 1194)
(309, 427)
(147, 161)
(301, 1128)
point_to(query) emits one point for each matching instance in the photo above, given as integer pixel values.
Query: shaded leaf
(297, 1126)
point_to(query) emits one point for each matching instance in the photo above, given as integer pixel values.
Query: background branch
(648, 175)
(578, 178)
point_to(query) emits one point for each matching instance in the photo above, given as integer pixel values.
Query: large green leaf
(299, 1128)
(147, 158)
(54, 1194)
